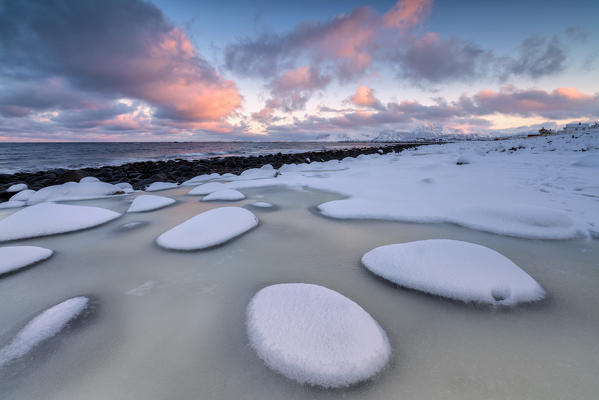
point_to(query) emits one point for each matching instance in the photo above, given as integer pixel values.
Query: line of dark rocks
(141, 174)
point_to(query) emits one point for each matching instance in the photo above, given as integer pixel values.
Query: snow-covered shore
(196, 310)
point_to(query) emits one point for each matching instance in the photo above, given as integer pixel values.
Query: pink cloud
(407, 13)
(364, 97)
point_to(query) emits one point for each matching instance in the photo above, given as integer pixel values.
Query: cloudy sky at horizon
(129, 70)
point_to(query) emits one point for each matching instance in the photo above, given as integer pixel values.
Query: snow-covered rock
(19, 187)
(24, 195)
(13, 204)
(207, 188)
(315, 335)
(50, 218)
(225, 195)
(200, 179)
(74, 191)
(127, 188)
(14, 258)
(157, 186)
(148, 202)
(266, 171)
(457, 270)
(262, 204)
(43, 327)
(89, 179)
(208, 229)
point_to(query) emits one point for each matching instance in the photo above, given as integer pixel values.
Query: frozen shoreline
(187, 308)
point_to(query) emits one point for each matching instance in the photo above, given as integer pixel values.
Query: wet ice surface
(172, 324)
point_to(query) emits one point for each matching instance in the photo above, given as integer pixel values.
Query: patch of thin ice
(148, 202)
(43, 327)
(14, 258)
(225, 195)
(314, 335)
(454, 269)
(208, 229)
(51, 218)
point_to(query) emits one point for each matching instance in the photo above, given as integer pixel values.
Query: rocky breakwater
(142, 174)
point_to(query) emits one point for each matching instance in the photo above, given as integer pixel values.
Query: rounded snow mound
(13, 204)
(227, 195)
(457, 270)
(262, 204)
(14, 258)
(23, 195)
(315, 335)
(208, 229)
(51, 218)
(207, 188)
(525, 221)
(157, 186)
(148, 202)
(43, 327)
(19, 187)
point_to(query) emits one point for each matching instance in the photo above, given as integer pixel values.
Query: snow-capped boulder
(148, 202)
(454, 269)
(127, 188)
(19, 187)
(200, 179)
(157, 186)
(89, 179)
(225, 195)
(207, 188)
(14, 258)
(13, 204)
(266, 171)
(24, 195)
(73, 191)
(208, 229)
(43, 327)
(51, 218)
(262, 204)
(315, 335)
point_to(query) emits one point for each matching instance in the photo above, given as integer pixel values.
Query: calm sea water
(15, 157)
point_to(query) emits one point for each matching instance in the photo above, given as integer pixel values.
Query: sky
(163, 70)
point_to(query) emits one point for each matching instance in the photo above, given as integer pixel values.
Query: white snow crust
(43, 327)
(454, 269)
(148, 202)
(13, 258)
(89, 179)
(208, 229)
(50, 218)
(535, 188)
(225, 195)
(314, 335)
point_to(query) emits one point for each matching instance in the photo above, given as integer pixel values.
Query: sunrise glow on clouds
(128, 70)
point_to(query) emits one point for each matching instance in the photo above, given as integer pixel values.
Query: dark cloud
(538, 57)
(113, 48)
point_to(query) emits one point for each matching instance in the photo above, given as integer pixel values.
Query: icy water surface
(170, 325)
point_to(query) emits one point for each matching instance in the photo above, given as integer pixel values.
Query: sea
(30, 157)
